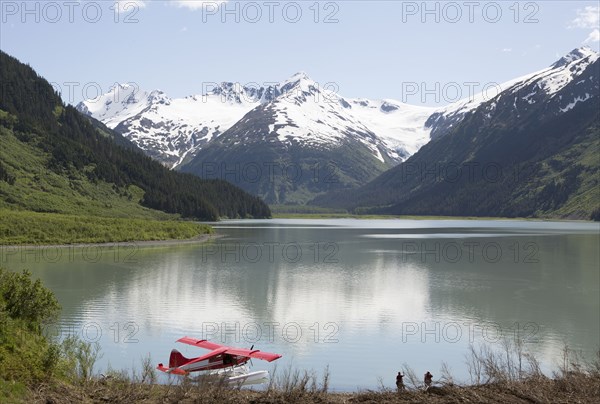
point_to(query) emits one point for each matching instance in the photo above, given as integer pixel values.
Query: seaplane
(223, 361)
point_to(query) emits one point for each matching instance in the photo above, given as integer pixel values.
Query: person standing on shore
(428, 378)
(399, 381)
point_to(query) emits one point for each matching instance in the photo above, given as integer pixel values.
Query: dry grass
(579, 389)
(508, 375)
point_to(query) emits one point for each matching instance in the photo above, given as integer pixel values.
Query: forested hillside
(53, 159)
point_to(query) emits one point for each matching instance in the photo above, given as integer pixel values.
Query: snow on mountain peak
(298, 76)
(576, 54)
(156, 93)
(122, 99)
(237, 93)
(302, 110)
(563, 71)
(300, 81)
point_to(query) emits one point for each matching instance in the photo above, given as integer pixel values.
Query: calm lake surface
(362, 296)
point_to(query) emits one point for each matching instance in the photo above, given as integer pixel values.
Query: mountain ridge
(313, 127)
(541, 134)
(189, 123)
(172, 130)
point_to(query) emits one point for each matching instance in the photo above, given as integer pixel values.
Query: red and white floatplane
(224, 361)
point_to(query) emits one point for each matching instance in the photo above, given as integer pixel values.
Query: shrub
(25, 355)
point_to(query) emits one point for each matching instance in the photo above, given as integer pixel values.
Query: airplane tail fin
(177, 359)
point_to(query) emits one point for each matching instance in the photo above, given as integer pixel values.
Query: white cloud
(129, 6)
(588, 17)
(197, 4)
(507, 50)
(594, 36)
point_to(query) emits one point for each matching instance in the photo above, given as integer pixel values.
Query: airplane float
(221, 360)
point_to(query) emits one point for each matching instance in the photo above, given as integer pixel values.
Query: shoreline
(583, 387)
(202, 238)
(408, 217)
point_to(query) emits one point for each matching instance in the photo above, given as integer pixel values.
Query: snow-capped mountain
(297, 116)
(303, 142)
(546, 86)
(121, 102)
(308, 115)
(167, 129)
(541, 87)
(174, 130)
(540, 134)
(528, 89)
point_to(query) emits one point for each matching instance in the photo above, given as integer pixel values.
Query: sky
(421, 53)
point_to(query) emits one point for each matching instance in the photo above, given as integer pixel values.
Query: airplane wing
(217, 349)
(265, 356)
(202, 343)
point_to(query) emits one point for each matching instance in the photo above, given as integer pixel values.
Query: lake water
(362, 296)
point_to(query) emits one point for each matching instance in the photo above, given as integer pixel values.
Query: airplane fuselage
(216, 362)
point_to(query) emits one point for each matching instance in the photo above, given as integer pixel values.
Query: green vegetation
(34, 187)
(22, 227)
(40, 206)
(25, 355)
(66, 178)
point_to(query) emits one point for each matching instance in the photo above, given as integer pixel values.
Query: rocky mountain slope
(530, 151)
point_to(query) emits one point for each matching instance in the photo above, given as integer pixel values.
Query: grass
(39, 189)
(13, 392)
(23, 227)
(41, 206)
